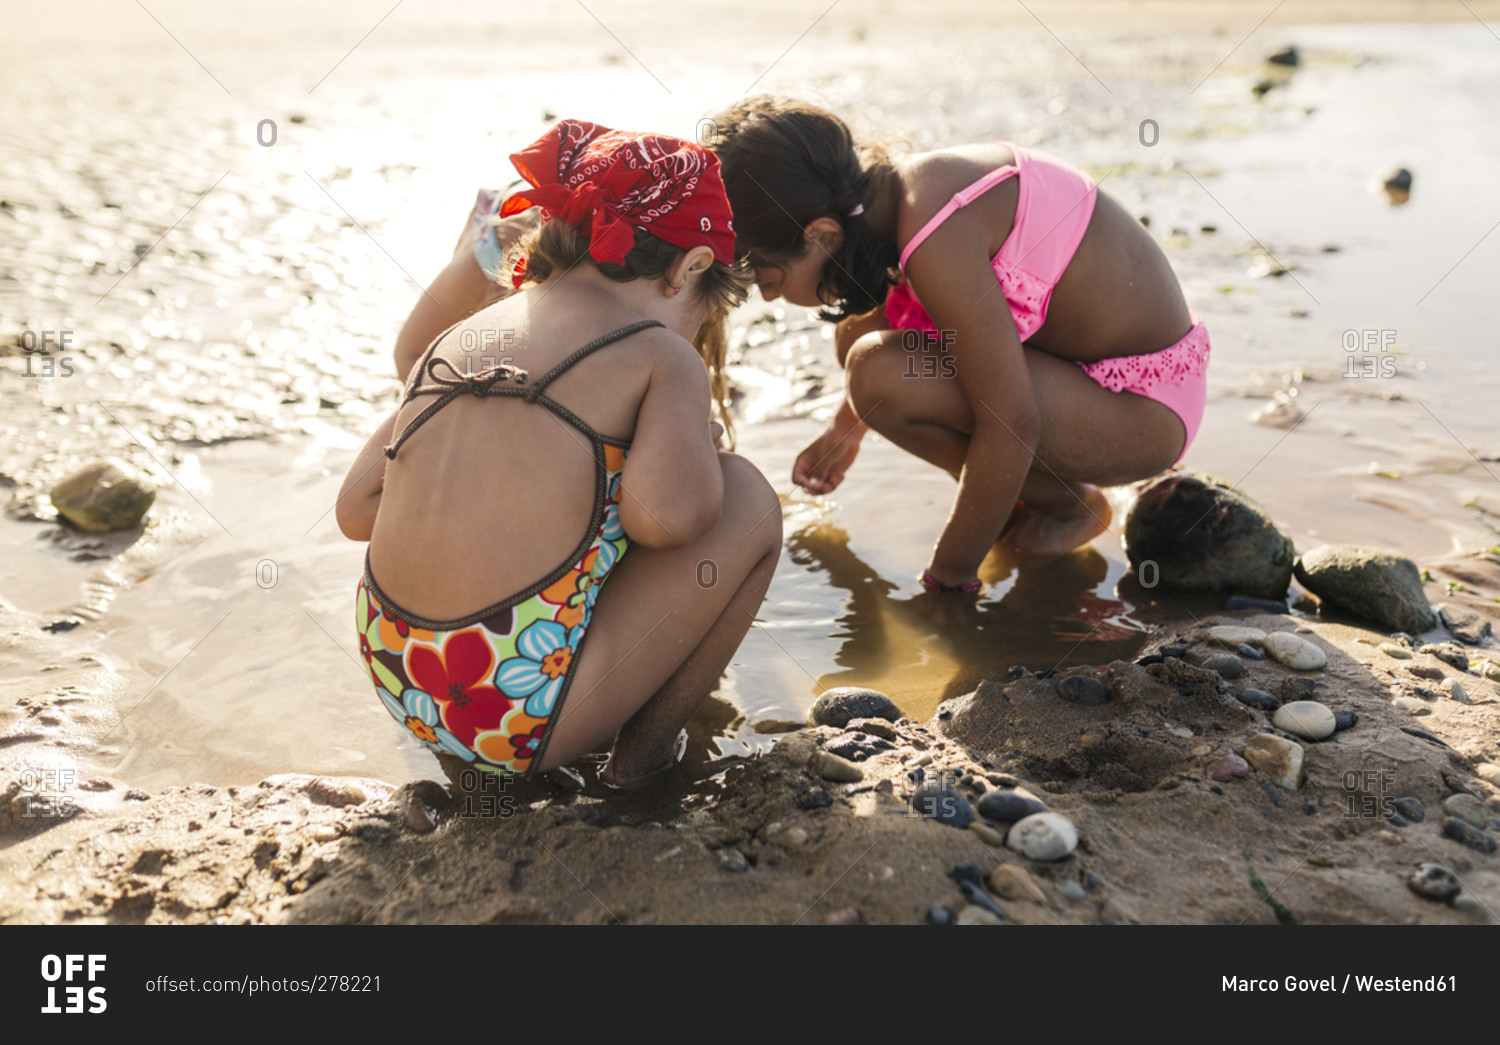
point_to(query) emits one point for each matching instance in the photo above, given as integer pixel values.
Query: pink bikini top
(1055, 204)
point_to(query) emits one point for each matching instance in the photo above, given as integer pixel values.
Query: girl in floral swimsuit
(998, 316)
(541, 505)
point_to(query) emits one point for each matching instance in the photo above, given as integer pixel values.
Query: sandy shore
(1161, 840)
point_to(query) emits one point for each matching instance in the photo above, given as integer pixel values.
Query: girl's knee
(866, 372)
(749, 500)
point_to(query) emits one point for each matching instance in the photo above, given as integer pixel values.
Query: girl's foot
(614, 779)
(1037, 538)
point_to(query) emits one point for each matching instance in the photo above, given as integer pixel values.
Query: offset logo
(68, 969)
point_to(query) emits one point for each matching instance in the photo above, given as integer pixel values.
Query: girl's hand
(820, 468)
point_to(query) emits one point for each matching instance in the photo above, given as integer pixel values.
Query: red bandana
(607, 183)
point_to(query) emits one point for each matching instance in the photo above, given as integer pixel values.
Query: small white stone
(1410, 705)
(1305, 718)
(1455, 690)
(1488, 772)
(976, 915)
(1399, 652)
(1232, 635)
(1295, 652)
(1179, 731)
(1043, 836)
(1278, 758)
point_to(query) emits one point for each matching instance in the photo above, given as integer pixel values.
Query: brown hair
(787, 163)
(555, 247)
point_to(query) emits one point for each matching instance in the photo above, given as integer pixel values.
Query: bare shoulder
(929, 180)
(672, 357)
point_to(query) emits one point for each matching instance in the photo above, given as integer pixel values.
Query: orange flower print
(575, 592)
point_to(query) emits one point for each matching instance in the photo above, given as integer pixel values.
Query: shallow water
(249, 352)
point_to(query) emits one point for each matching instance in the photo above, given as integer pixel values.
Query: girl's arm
(673, 485)
(359, 497)
(951, 274)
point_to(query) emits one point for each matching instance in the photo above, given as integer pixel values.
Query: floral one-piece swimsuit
(487, 688)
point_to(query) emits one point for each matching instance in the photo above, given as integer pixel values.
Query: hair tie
(859, 208)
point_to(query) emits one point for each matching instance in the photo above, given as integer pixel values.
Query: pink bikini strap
(962, 198)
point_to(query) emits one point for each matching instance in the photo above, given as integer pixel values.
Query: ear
(693, 263)
(826, 233)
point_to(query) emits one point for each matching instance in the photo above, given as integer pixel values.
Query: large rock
(839, 706)
(104, 496)
(1206, 537)
(1379, 586)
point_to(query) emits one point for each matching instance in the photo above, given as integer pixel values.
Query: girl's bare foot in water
(1041, 533)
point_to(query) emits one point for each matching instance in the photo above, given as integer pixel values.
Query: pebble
(793, 838)
(1273, 794)
(1015, 883)
(942, 803)
(1043, 836)
(1228, 767)
(1470, 905)
(987, 834)
(330, 791)
(1305, 718)
(843, 916)
(1250, 652)
(1456, 691)
(1257, 698)
(1459, 831)
(1278, 758)
(839, 770)
(839, 706)
(419, 816)
(1489, 772)
(857, 747)
(1180, 731)
(1010, 805)
(1071, 890)
(1450, 653)
(1343, 720)
(1295, 652)
(1175, 649)
(1391, 649)
(1429, 672)
(104, 496)
(1468, 809)
(328, 832)
(1286, 56)
(815, 798)
(1434, 881)
(976, 915)
(733, 860)
(876, 727)
(1455, 785)
(1395, 819)
(937, 914)
(1411, 808)
(1410, 705)
(1227, 665)
(1234, 635)
(136, 794)
(1422, 734)
(1083, 689)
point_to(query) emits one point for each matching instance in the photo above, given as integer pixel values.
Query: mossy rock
(1371, 583)
(105, 496)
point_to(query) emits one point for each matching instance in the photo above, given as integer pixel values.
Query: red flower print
(458, 678)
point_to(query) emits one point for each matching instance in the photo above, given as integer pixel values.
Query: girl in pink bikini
(998, 316)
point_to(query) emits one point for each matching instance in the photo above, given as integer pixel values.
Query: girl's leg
(1089, 435)
(664, 628)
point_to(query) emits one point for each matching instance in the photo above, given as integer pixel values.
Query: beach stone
(1278, 758)
(1257, 698)
(1410, 705)
(1087, 690)
(1456, 691)
(1286, 56)
(1411, 808)
(1228, 767)
(1376, 585)
(937, 914)
(1471, 905)
(1227, 665)
(1206, 537)
(1071, 890)
(331, 791)
(976, 915)
(1428, 672)
(732, 860)
(1467, 627)
(104, 496)
(1295, 652)
(1398, 179)
(1455, 785)
(875, 727)
(1043, 836)
(987, 834)
(1450, 653)
(1305, 718)
(840, 770)
(843, 916)
(1460, 831)
(1249, 652)
(943, 804)
(1488, 669)
(1433, 881)
(1488, 772)
(1010, 882)
(1395, 819)
(1232, 635)
(1343, 720)
(838, 707)
(1392, 649)
(1468, 809)
(1009, 805)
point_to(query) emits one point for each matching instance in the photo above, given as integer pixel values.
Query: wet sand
(247, 356)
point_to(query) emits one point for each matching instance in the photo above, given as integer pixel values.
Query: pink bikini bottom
(1176, 377)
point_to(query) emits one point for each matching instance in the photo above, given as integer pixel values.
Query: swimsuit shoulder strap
(962, 198)
(589, 349)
